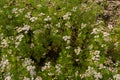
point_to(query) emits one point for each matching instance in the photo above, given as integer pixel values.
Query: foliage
(57, 40)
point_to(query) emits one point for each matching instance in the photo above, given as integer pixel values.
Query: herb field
(58, 40)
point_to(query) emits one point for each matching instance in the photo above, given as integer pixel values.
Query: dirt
(112, 13)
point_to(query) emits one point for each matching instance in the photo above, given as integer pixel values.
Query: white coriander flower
(4, 43)
(28, 65)
(105, 34)
(116, 44)
(116, 77)
(68, 47)
(88, 72)
(68, 24)
(8, 78)
(50, 74)
(77, 51)
(21, 10)
(47, 66)
(27, 62)
(9, 16)
(28, 15)
(25, 78)
(65, 38)
(98, 76)
(95, 31)
(41, 14)
(48, 18)
(48, 26)
(58, 25)
(26, 28)
(19, 37)
(95, 55)
(4, 63)
(33, 19)
(58, 68)
(67, 16)
(83, 25)
(97, 52)
(110, 26)
(74, 9)
(38, 78)
(96, 36)
(39, 5)
(101, 66)
(14, 10)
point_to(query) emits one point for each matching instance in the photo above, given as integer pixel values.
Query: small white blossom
(41, 14)
(116, 44)
(39, 5)
(14, 10)
(5, 6)
(68, 47)
(47, 66)
(68, 24)
(58, 68)
(25, 78)
(67, 16)
(101, 66)
(95, 31)
(77, 51)
(28, 65)
(33, 19)
(4, 63)
(83, 25)
(9, 16)
(98, 76)
(90, 71)
(28, 15)
(27, 62)
(105, 34)
(116, 77)
(48, 18)
(65, 38)
(74, 9)
(48, 26)
(95, 55)
(38, 78)
(4, 43)
(50, 74)
(58, 25)
(19, 37)
(110, 26)
(21, 10)
(8, 78)
(24, 28)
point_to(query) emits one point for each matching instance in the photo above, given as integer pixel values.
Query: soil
(112, 12)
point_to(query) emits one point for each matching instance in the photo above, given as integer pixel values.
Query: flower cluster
(66, 38)
(47, 66)
(24, 28)
(17, 11)
(67, 16)
(4, 63)
(28, 65)
(96, 55)
(32, 19)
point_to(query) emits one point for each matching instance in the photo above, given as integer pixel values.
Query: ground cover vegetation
(57, 40)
